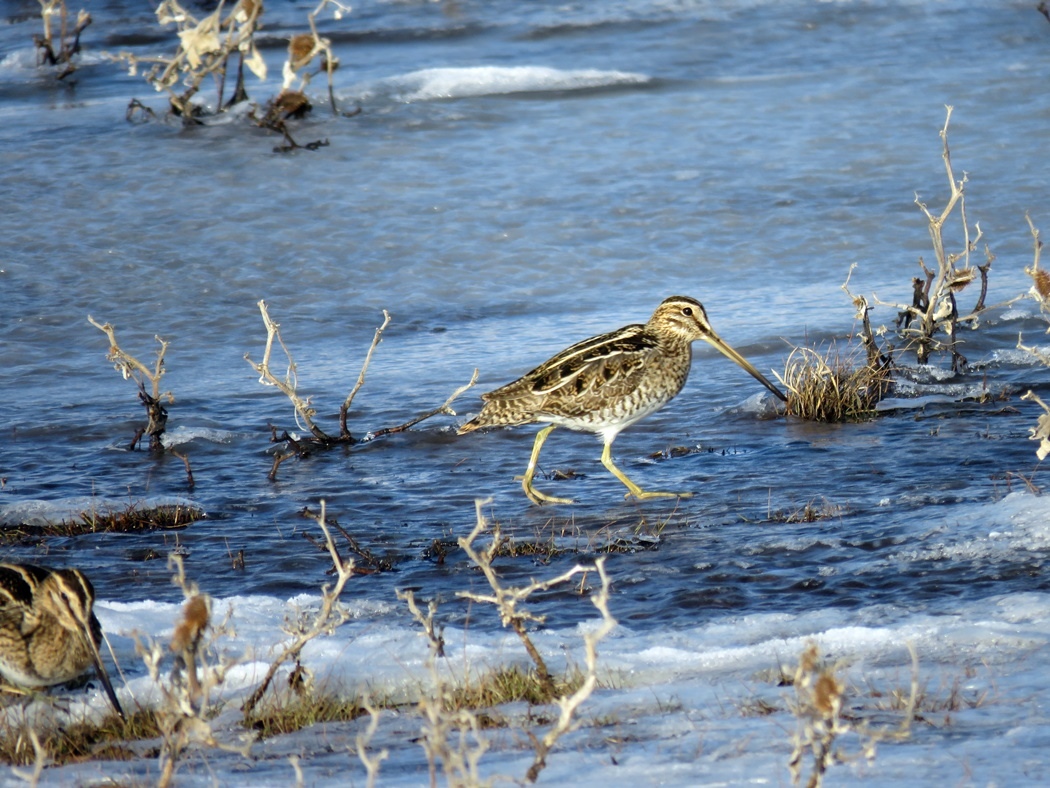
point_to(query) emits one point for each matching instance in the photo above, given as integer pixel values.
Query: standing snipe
(48, 632)
(607, 383)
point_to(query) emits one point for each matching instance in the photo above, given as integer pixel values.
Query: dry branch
(934, 307)
(131, 368)
(507, 600)
(304, 411)
(568, 705)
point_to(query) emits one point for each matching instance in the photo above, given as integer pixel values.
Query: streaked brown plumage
(48, 632)
(607, 383)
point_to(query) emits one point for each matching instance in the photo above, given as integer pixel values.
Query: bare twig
(445, 410)
(568, 705)
(288, 384)
(362, 740)
(376, 339)
(507, 600)
(131, 368)
(330, 616)
(305, 412)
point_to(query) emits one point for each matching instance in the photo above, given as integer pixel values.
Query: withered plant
(153, 400)
(509, 603)
(206, 46)
(300, 446)
(823, 718)
(184, 712)
(829, 387)
(1040, 291)
(308, 626)
(934, 311)
(60, 49)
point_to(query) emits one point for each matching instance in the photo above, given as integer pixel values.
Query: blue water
(521, 176)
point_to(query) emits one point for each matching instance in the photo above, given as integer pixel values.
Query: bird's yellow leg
(635, 490)
(526, 481)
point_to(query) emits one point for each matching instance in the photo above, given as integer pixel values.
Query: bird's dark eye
(687, 310)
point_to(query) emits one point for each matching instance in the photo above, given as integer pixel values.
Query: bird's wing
(591, 365)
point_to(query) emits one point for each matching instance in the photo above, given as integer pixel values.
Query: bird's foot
(538, 497)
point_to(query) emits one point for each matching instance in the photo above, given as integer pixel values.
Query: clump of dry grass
(812, 512)
(293, 711)
(131, 519)
(77, 741)
(831, 387)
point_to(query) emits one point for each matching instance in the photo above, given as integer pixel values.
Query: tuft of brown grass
(829, 387)
(81, 741)
(294, 711)
(510, 684)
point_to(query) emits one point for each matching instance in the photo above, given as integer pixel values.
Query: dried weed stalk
(1040, 291)
(508, 600)
(451, 734)
(184, 709)
(304, 411)
(131, 368)
(307, 627)
(568, 705)
(819, 708)
(452, 730)
(305, 48)
(934, 308)
(60, 50)
(362, 740)
(292, 102)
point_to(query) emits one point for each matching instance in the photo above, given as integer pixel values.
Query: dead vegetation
(812, 512)
(301, 446)
(61, 47)
(828, 387)
(130, 368)
(833, 386)
(822, 719)
(456, 705)
(134, 518)
(931, 322)
(213, 47)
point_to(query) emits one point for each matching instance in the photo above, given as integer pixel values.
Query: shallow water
(522, 176)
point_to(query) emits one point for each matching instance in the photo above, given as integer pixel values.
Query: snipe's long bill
(48, 631)
(607, 383)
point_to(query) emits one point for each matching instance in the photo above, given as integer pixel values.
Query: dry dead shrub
(60, 49)
(823, 718)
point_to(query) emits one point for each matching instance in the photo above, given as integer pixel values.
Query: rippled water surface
(521, 176)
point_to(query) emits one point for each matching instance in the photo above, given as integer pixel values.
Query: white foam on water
(452, 83)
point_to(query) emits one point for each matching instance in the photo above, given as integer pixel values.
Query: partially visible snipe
(48, 632)
(607, 383)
